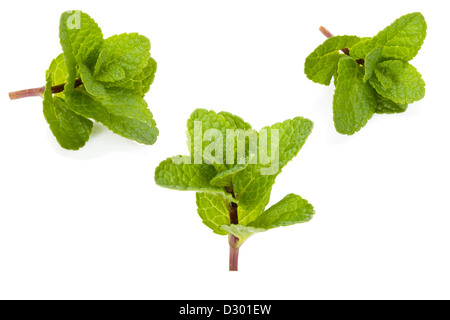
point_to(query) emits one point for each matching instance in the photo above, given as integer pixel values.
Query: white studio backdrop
(92, 224)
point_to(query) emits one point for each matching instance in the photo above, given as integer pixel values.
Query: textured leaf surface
(253, 192)
(388, 106)
(322, 63)
(92, 86)
(386, 80)
(207, 120)
(405, 83)
(292, 136)
(234, 122)
(361, 49)
(241, 232)
(372, 59)
(403, 39)
(122, 57)
(71, 130)
(224, 178)
(139, 83)
(247, 214)
(290, 210)
(189, 177)
(122, 111)
(58, 72)
(354, 101)
(81, 39)
(213, 210)
(251, 187)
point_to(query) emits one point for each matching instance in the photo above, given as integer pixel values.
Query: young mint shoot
(233, 168)
(371, 75)
(98, 79)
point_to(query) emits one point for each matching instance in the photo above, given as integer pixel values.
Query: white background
(92, 224)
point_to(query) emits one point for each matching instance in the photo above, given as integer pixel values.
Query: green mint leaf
(372, 59)
(241, 232)
(398, 81)
(225, 178)
(58, 70)
(140, 83)
(252, 186)
(386, 79)
(122, 111)
(253, 193)
(248, 213)
(71, 130)
(354, 100)
(362, 48)
(200, 122)
(122, 57)
(386, 106)
(92, 86)
(173, 173)
(290, 210)
(322, 63)
(81, 39)
(235, 122)
(58, 73)
(292, 136)
(213, 210)
(403, 39)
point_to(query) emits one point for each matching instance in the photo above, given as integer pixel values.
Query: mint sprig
(233, 188)
(371, 75)
(98, 79)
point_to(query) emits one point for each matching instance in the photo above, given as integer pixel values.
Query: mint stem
(27, 93)
(234, 252)
(35, 92)
(233, 240)
(328, 34)
(325, 32)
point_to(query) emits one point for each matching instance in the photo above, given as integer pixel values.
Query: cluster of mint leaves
(221, 188)
(104, 80)
(375, 76)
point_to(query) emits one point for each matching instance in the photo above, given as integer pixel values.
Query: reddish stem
(325, 32)
(234, 252)
(35, 92)
(328, 34)
(27, 93)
